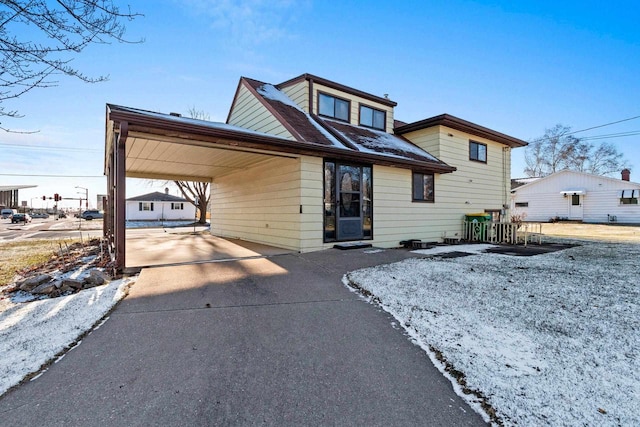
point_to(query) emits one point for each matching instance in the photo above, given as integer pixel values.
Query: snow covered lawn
(33, 333)
(551, 339)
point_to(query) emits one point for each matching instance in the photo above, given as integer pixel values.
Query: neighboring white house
(159, 207)
(579, 196)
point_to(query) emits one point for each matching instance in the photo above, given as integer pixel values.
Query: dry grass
(18, 255)
(600, 232)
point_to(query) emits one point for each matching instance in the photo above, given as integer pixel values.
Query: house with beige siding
(309, 162)
(578, 196)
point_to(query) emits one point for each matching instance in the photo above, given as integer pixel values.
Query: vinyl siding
(161, 210)
(474, 185)
(602, 198)
(262, 204)
(299, 93)
(355, 104)
(396, 217)
(248, 112)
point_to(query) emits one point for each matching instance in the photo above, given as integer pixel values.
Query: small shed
(578, 196)
(159, 206)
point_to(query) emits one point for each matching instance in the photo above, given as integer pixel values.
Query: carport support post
(120, 196)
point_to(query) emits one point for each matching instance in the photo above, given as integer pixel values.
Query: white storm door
(576, 206)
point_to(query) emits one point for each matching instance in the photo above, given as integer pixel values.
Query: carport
(143, 144)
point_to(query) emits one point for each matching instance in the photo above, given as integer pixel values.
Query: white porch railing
(502, 232)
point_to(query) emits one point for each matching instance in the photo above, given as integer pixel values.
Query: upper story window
(478, 151)
(331, 106)
(372, 117)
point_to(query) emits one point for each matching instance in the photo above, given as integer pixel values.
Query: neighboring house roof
(519, 182)
(570, 172)
(312, 129)
(156, 197)
(463, 126)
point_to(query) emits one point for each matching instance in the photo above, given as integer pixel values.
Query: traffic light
(44, 197)
(56, 197)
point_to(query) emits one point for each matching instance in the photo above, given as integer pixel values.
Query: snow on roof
(270, 92)
(189, 120)
(374, 141)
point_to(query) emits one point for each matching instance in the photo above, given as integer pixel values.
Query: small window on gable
(423, 187)
(372, 117)
(331, 106)
(478, 151)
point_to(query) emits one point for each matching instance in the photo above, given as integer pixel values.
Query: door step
(351, 245)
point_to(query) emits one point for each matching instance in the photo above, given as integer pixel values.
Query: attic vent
(175, 114)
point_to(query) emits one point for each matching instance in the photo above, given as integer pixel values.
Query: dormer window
(331, 106)
(371, 117)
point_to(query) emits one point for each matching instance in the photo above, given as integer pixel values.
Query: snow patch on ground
(470, 249)
(552, 339)
(32, 333)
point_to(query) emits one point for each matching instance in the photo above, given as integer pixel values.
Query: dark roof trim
(338, 86)
(189, 129)
(463, 126)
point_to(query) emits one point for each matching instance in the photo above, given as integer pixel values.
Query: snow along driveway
(551, 339)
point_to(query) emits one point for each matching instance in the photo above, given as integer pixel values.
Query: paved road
(50, 228)
(272, 341)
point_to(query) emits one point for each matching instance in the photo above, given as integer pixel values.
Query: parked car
(92, 214)
(62, 215)
(20, 217)
(39, 215)
(7, 213)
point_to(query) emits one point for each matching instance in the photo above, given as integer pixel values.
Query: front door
(348, 202)
(575, 206)
(349, 212)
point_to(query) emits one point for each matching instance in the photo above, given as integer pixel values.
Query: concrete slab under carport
(152, 247)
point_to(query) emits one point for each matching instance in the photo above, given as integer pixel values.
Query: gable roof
(156, 196)
(570, 172)
(463, 126)
(357, 140)
(337, 86)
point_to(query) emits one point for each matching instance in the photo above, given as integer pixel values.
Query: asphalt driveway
(270, 341)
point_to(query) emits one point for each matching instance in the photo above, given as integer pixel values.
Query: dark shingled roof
(309, 128)
(156, 197)
(376, 141)
(303, 130)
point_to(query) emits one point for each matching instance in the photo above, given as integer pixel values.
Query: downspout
(120, 196)
(506, 183)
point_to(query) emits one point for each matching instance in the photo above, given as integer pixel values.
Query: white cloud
(250, 23)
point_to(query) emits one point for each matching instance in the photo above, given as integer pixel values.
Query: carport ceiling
(163, 157)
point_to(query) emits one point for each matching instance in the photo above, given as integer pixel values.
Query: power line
(611, 135)
(50, 148)
(606, 124)
(53, 176)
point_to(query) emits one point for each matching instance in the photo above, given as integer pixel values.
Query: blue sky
(516, 67)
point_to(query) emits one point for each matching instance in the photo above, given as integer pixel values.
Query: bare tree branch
(39, 38)
(558, 150)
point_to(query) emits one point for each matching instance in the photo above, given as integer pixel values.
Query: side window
(331, 106)
(478, 151)
(423, 187)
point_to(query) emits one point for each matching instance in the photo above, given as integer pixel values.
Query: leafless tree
(39, 39)
(192, 190)
(558, 149)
